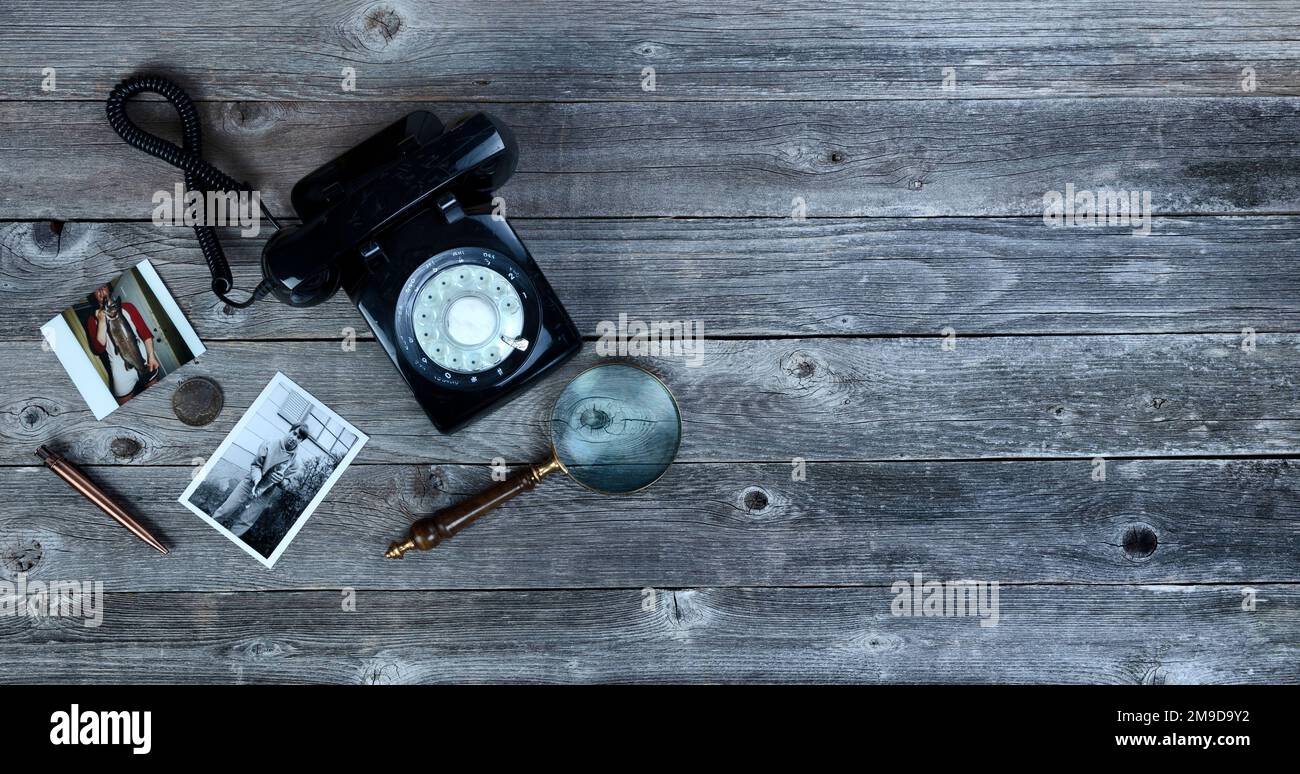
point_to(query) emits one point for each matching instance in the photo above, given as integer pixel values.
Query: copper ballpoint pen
(78, 481)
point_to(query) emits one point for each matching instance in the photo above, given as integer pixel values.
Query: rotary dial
(468, 318)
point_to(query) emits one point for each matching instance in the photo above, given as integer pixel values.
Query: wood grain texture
(1101, 634)
(730, 49)
(904, 159)
(818, 399)
(847, 524)
(760, 277)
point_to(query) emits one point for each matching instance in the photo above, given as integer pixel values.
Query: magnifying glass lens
(616, 428)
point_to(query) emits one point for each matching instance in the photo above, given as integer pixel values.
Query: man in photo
(117, 331)
(272, 470)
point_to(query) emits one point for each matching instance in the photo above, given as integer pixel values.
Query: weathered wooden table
(949, 366)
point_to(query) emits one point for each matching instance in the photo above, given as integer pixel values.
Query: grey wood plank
(905, 159)
(1149, 521)
(731, 49)
(763, 277)
(1096, 634)
(759, 400)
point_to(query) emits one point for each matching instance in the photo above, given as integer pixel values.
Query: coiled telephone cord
(199, 174)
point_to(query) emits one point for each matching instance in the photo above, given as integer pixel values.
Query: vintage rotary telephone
(403, 223)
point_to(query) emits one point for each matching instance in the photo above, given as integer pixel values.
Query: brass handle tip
(396, 549)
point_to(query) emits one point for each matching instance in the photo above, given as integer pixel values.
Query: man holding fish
(116, 331)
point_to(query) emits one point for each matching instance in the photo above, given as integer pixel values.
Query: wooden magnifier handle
(432, 530)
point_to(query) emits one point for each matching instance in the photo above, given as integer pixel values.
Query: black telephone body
(404, 223)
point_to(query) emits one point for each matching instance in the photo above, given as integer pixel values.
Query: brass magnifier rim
(677, 414)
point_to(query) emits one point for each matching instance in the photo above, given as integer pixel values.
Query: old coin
(198, 401)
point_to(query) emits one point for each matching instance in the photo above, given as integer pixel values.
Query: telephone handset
(403, 223)
(424, 165)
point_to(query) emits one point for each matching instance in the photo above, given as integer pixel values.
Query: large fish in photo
(123, 335)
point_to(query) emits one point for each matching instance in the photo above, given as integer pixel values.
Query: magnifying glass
(614, 429)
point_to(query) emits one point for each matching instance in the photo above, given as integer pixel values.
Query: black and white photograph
(122, 338)
(273, 469)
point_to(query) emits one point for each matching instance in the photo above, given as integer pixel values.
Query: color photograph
(122, 338)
